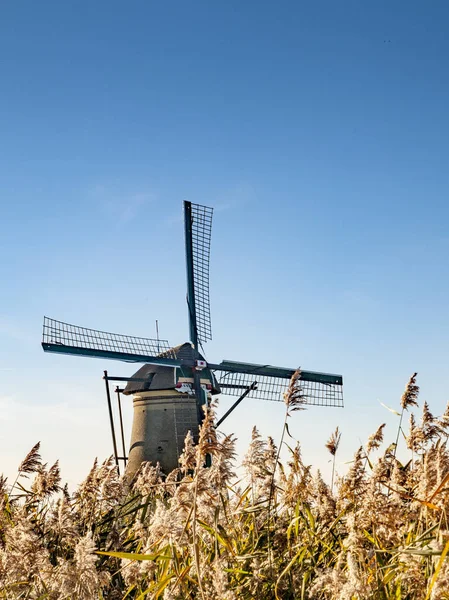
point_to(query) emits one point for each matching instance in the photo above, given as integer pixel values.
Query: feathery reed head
(376, 439)
(294, 397)
(32, 461)
(333, 442)
(410, 395)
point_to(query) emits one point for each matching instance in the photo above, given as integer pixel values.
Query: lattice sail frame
(316, 393)
(201, 237)
(57, 333)
(319, 389)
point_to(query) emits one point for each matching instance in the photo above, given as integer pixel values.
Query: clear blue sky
(320, 134)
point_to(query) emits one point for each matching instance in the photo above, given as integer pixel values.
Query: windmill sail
(64, 338)
(198, 230)
(319, 389)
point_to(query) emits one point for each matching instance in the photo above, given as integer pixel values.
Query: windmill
(169, 391)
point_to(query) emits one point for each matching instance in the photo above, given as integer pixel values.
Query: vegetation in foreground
(281, 532)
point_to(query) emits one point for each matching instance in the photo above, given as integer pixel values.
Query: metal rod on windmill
(190, 274)
(157, 336)
(174, 382)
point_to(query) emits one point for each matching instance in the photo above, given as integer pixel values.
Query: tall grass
(281, 532)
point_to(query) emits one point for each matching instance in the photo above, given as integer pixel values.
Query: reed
(379, 531)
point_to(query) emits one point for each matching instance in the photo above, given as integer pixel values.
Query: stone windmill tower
(166, 408)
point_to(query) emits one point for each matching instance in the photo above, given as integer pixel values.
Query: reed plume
(332, 445)
(32, 461)
(376, 439)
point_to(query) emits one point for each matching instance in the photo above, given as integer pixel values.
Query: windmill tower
(169, 391)
(166, 407)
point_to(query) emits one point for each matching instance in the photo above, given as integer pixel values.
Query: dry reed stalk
(332, 445)
(409, 398)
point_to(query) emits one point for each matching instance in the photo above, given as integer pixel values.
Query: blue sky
(319, 132)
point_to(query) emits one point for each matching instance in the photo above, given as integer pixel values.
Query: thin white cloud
(240, 194)
(131, 207)
(122, 205)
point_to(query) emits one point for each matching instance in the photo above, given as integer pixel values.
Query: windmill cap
(160, 377)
